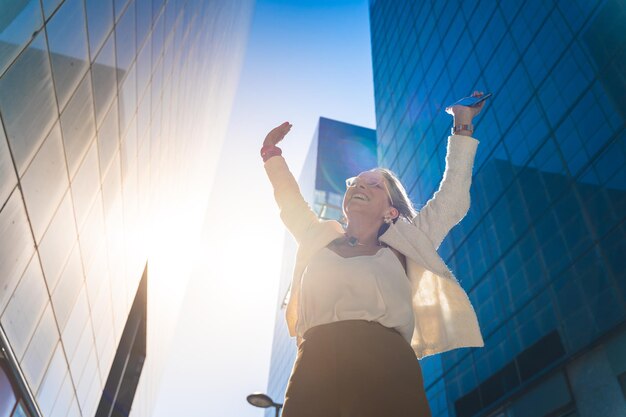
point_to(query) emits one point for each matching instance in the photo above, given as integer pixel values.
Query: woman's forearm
(463, 116)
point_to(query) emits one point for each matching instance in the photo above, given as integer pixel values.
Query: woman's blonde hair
(400, 199)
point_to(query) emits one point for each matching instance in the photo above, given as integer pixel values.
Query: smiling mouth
(359, 196)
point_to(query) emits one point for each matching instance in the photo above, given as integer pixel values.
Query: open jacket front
(444, 317)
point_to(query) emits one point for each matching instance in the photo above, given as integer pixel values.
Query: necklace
(353, 241)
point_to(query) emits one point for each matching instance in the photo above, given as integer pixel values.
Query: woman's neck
(364, 230)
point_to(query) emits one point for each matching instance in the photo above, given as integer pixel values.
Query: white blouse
(369, 287)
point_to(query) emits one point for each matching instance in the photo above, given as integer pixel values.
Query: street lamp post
(258, 399)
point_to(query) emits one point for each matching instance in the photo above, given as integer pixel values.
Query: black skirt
(355, 368)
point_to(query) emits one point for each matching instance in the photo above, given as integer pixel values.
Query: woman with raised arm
(367, 299)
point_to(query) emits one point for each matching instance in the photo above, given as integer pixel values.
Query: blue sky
(305, 59)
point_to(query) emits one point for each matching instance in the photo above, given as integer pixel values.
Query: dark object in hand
(471, 101)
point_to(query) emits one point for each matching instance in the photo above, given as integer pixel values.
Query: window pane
(57, 243)
(18, 21)
(20, 411)
(125, 39)
(16, 245)
(7, 396)
(27, 303)
(67, 37)
(99, 22)
(8, 180)
(108, 139)
(104, 75)
(45, 182)
(52, 381)
(67, 290)
(27, 102)
(49, 6)
(78, 125)
(40, 349)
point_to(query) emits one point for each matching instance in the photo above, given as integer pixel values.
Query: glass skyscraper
(541, 251)
(112, 115)
(338, 151)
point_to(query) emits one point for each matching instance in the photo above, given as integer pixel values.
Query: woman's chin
(360, 210)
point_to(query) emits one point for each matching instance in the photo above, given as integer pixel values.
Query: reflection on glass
(156, 119)
(156, 84)
(111, 192)
(144, 20)
(82, 357)
(144, 68)
(8, 180)
(99, 22)
(119, 7)
(143, 118)
(95, 279)
(65, 293)
(103, 72)
(171, 14)
(128, 99)
(78, 125)
(16, 243)
(85, 185)
(27, 102)
(20, 411)
(168, 54)
(45, 182)
(157, 39)
(92, 234)
(18, 21)
(20, 317)
(128, 149)
(49, 6)
(101, 316)
(40, 348)
(52, 381)
(125, 43)
(108, 142)
(67, 38)
(156, 6)
(56, 244)
(64, 395)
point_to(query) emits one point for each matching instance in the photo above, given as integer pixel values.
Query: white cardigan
(444, 317)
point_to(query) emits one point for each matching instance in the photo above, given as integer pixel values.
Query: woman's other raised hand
(277, 134)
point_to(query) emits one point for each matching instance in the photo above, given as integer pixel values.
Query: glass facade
(112, 113)
(541, 250)
(342, 151)
(338, 151)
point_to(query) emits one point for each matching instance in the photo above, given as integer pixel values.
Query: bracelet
(458, 128)
(268, 151)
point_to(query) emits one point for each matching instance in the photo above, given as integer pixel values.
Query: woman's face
(367, 193)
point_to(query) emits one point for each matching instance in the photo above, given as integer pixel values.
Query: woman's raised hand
(465, 114)
(277, 134)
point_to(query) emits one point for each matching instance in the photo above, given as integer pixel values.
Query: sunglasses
(370, 180)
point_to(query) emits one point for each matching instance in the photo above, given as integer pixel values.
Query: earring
(387, 219)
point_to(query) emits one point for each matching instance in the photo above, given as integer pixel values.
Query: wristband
(268, 151)
(458, 128)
